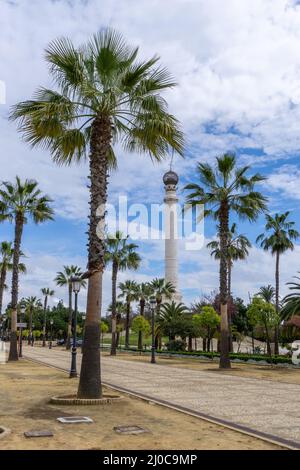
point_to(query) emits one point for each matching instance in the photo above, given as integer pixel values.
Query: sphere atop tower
(170, 178)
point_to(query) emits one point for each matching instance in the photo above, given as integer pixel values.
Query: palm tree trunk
(44, 322)
(2, 285)
(90, 380)
(30, 327)
(113, 350)
(229, 313)
(276, 339)
(69, 332)
(190, 343)
(127, 324)
(140, 335)
(224, 340)
(13, 350)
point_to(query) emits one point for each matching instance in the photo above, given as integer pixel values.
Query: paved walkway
(261, 405)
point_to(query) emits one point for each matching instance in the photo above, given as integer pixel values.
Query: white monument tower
(170, 180)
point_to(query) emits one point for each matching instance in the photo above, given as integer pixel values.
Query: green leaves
(100, 78)
(24, 198)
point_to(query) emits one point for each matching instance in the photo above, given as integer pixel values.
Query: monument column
(170, 180)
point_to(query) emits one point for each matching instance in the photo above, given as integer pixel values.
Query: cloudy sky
(237, 64)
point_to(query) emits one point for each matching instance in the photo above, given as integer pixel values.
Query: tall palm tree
(237, 249)
(291, 302)
(31, 303)
(129, 292)
(120, 309)
(278, 238)
(46, 293)
(223, 190)
(122, 256)
(64, 278)
(267, 293)
(6, 265)
(19, 201)
(103, 96)
(161, 289)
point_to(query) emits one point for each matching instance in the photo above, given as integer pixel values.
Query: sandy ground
(24, 405)
(274, 373)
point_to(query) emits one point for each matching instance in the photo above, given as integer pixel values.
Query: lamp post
(152, 307)
(4, 318)
(22, 311)
(51, 325)
(75, 288)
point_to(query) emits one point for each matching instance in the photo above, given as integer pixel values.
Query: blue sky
(237, 65)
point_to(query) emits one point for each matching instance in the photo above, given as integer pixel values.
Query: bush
(176, 345)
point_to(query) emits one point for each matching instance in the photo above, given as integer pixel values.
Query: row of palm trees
(104, 95)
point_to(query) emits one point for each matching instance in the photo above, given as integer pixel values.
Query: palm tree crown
(267, 293)
(64, 277)
(121, 253)
(22, 200)
(291, 302)
(279, 234)
(162, 289)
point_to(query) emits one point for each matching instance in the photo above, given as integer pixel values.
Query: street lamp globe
(76, 284)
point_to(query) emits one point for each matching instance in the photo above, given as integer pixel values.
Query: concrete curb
(69, 400)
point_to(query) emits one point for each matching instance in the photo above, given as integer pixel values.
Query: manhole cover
(41, 433)
(75, 419)
(130, 429)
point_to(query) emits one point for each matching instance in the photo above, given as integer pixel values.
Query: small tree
(141, 325)
(207, 321)
(263, 314)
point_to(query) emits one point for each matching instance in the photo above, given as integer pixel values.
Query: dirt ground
(25, 389)
(274, 373)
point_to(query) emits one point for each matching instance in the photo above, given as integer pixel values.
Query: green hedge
(240, 356)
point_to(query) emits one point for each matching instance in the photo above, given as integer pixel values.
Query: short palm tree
(224, 190)
(31, 303)
(278, 238)
(103, 96)
(122, 256)
(64, 278)
(267, 293)
(46, 292)
(291, 302)
(238, 249)
(18, 202)
(6, 265)
(169, 318)
(129, 292)
(162, 289)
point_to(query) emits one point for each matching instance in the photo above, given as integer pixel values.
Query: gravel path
(264, 406)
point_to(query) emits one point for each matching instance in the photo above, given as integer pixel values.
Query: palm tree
(64, 278)
(170, 318)
(144, 292)
(6, 265)
(119, 309)
(291, 302)
(129, 292)
(267, 293)
(46, 293)
(104, 96)
(122, 256)
(18, 201)
(223, 190)
(278, 238)
(161, 289)
(31, 304)
(237, 249)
